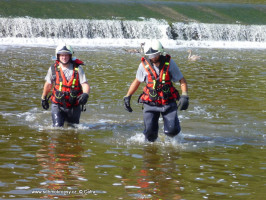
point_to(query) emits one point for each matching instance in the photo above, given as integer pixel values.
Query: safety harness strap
(66, 86)
(76, 69)
(60, 77)
(164, 72)
(165, 67)
(57, 68)
(149, 68)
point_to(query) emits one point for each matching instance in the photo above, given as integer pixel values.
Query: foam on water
(124, 133)
(130, 43)
(201, 111)
(176, 142)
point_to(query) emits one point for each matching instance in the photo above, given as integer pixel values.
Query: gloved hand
(183, 102)
(83, 98)
(45, 102)
(127, 103)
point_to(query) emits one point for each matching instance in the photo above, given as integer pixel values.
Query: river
(219, 154)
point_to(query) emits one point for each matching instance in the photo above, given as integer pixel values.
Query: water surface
(220, 153)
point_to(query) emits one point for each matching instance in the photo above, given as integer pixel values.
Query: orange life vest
(159, 90)
(66, 92)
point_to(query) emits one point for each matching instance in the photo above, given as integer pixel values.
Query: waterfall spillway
(119, 29)
(78, 28)
(218, 32)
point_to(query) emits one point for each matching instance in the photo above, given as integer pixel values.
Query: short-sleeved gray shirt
(68, 74)
(174, 72)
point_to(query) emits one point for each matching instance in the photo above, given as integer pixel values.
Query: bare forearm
(183, 86)
(133, 87)
(85, 87)
(46, 89)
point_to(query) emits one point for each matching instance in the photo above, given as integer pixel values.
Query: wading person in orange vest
(159, 95)
(71, 89)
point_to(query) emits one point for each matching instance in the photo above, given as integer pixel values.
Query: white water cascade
(218, 32)
(80, 28)
(17, 31)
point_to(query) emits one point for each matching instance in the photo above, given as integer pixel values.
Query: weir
(145, 29)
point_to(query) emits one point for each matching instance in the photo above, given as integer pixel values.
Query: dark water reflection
(220, 153)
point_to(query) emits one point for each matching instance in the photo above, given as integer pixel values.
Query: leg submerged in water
(171, 121)
(151, 124)
(58, 116)
(73, 115)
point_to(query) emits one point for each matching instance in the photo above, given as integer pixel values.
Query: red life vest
(159, 90)
(66, 92)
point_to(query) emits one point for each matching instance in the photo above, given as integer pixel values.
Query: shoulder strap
(76, 70)
(166, 64)
(55, 69)
(148, 66)
(162, 61)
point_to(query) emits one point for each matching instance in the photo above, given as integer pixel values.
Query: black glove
(183, 102)
(45, 102)
(127, 103)
(83, 98)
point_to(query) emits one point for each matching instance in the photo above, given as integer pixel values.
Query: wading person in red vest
(71, 89)
(159, 95)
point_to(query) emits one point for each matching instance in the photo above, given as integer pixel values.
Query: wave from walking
(108, 32)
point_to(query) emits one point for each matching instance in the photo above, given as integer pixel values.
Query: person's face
(64, 58)
(155, 59)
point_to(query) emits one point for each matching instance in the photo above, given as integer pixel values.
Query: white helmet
(153, 48)
(64, 49)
